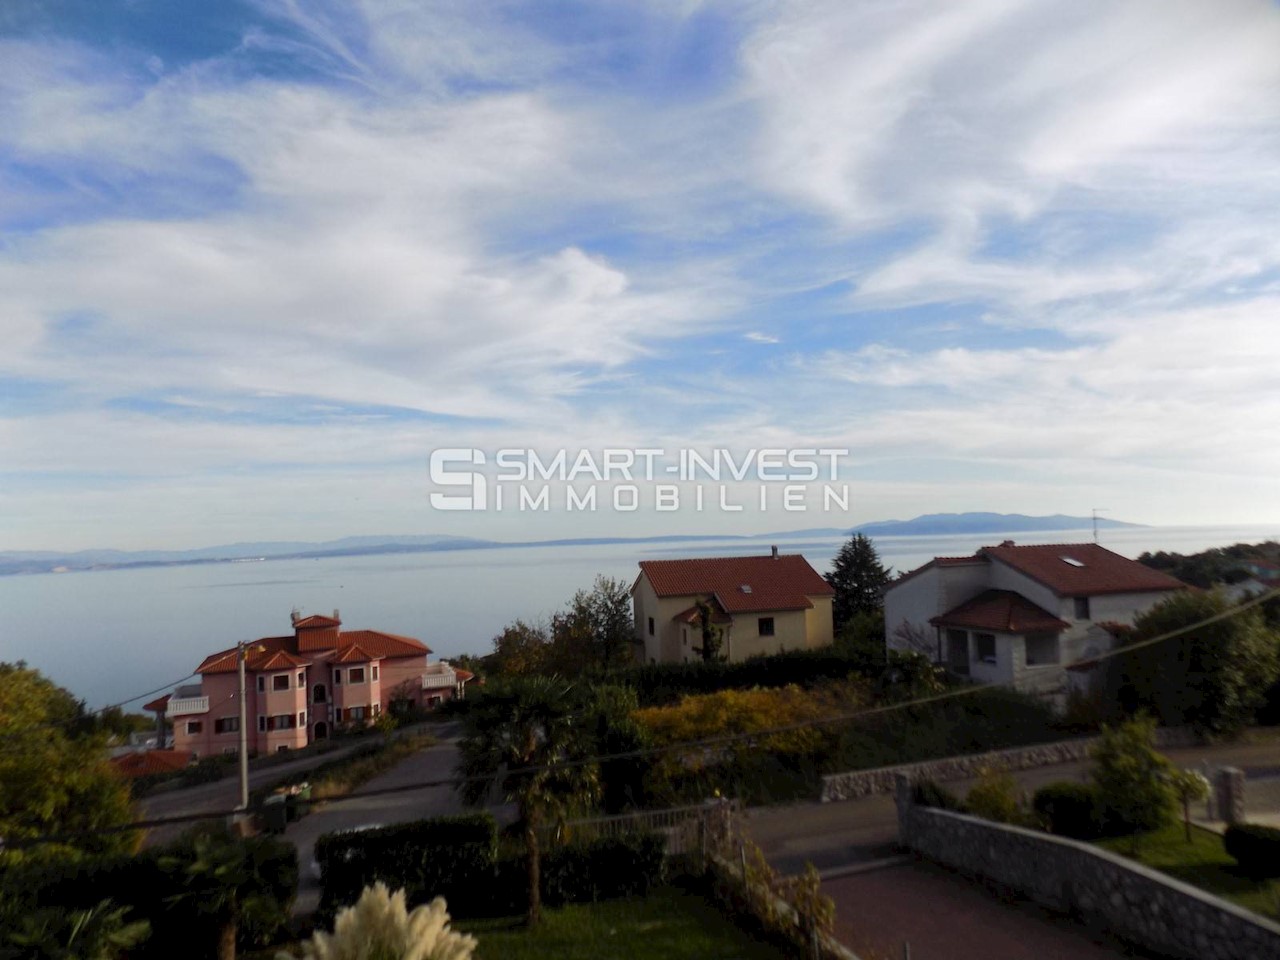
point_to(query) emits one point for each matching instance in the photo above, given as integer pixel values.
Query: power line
(50, 724)
(703, 742)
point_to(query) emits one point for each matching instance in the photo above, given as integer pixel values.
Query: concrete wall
(1105, 890)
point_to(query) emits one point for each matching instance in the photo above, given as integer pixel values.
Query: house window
(280, 682)
(1082, 608)
(262, 684)
(355, 675)
(319, 694)
(302, 679)
(337, 677)
(282, 748)
(302, 718)
(195, 726)
(1042, 649)
(377, 709)
(985, 647)
(226, 725)
(766, 626)
(355, 713)
(262, 723)
(684, 635)
(281, 721)
(651, 626)
(374, 675)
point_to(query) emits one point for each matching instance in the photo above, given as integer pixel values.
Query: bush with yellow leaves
(381, 927)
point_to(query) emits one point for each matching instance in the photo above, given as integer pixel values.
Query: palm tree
(529, 739)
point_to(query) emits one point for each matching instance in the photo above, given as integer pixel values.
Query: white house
(1017, 615)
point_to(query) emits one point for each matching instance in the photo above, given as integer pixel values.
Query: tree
(710, 634)
(1134, 781)
(1212, 677)
(223, 877)
(595, 633)
(54, 775)
(520, 649)
(527, 739)
(858, 577)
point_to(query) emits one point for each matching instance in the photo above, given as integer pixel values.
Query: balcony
(187, 705)
(437, 679)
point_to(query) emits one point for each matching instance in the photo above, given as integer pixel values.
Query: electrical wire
(700, 743)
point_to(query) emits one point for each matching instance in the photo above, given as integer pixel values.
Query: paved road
(222, 794)
(434, 763)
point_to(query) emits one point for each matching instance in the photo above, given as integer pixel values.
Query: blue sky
(258, 259)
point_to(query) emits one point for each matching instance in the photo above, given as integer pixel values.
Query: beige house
(760, 605)
(1018, 615)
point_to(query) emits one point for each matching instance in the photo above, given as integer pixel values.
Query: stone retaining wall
(1105, 890)
(863, 783)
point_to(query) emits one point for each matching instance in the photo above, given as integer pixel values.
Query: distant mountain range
(933, 524)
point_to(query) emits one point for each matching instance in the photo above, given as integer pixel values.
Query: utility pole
(244, 731)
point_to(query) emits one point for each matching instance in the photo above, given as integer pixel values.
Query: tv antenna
(1095, 522)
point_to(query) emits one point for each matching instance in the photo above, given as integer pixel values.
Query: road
(434, 763)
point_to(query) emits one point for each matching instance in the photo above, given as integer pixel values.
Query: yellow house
(759, 604)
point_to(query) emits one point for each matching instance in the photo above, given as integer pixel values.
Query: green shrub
(1069, 809)
(457, 858)
(995, 797)
(1133, 780)
(452, 857)
(927, 793)
(665, 683)
(1255, 848)
(148, 885)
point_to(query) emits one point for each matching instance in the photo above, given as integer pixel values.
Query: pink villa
(300, 687)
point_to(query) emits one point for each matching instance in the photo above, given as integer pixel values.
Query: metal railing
(684, 827)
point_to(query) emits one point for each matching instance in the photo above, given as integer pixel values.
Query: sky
(260, 258)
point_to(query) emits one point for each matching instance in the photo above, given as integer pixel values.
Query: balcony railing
(178, 708)
(436, 681)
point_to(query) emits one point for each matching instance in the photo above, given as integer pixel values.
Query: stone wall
(863, 783)
(1103, 889)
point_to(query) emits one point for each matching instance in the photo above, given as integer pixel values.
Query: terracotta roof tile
(354, 653)
(382, 644)
(1081, 569)
(279, 660)
(375, 643)
(784, 582)
(693, 615)
(159, 703)
(1001, 611)
(151, 762)
(316, 621)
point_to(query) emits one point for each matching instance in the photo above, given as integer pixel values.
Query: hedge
(457, 858)
(150, 885)
(1255, 847)
(664, 683)
(1069, 809)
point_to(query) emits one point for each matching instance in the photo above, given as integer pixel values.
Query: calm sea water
(109, 635)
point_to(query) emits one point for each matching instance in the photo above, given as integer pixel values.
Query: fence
(684, 827)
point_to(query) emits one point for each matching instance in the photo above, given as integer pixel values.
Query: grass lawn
(1202, 863)
(669, 924)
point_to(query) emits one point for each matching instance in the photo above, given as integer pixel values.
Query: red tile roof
(316, 621)
(1001, 611)
(382, 644)
(151, 762)
(279, 660)
(159, 703)
(784, 582)
(263, 654)
(354, 653)
(1081, 569)
(693, 615)
(463, 675)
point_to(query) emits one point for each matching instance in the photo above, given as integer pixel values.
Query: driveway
(942, 916)
(434, 763)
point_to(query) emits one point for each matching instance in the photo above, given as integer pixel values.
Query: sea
(123, 636)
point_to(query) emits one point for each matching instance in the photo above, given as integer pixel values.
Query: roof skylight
(1073, 561)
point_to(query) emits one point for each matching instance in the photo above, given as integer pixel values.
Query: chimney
(335, 615)
(1007, 543)
(295, 616)
(775, 552)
